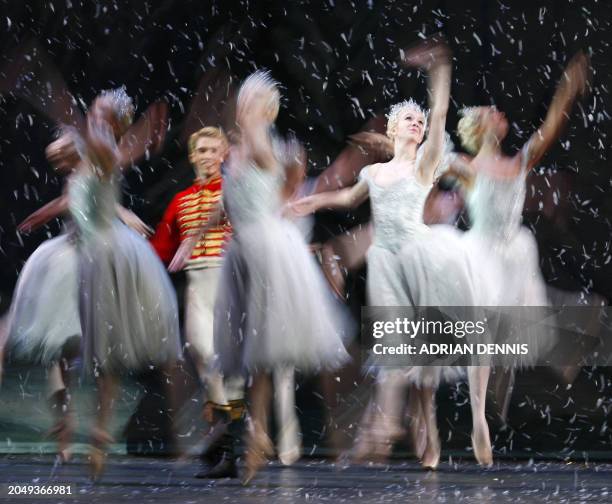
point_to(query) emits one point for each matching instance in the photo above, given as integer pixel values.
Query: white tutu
(44, 313)
(127, 304)
(413, 265)
(274, 306)
(506, 261)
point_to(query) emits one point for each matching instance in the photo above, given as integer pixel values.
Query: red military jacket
(185, 214)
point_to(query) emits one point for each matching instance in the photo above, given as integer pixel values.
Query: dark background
(337, 62)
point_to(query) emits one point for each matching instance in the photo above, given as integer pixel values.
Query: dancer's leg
(418, 428)
(107, 389)
(289, 446)
(478, 378)
(259, 446)
(431, 455)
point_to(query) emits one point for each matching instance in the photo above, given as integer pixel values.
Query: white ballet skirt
(274, 307)
(127, 304)
(506, 255)
(412, 264)
(43, 315)
(506, 251)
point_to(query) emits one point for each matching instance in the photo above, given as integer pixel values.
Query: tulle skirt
(44, 312)
(436, 271)
(510, 270)
(127, 303)
(274, 307)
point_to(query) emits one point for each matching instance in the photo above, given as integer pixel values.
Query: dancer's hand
(255, 102)
(132, 220)
(179, 261)
(576, 73)
(301, 207)
(375, 143)
(427, 54)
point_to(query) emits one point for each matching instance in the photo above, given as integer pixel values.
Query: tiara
(121, 102)
(398, 107)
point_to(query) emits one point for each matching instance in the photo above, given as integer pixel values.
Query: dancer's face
(410, 125)
(207, 156)
(62, 154)
(494, 121)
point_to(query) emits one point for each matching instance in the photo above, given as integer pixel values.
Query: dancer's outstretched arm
(132, 220)
(44, 214)
(434, 57)
(350, 197)
(573, 83)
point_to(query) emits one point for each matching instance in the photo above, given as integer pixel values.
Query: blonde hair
(262, 78)
(396, 110)
(207, 132)
(469, 129)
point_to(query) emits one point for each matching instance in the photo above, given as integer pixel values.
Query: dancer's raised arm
(434, 57)
(573, 83)
(256, 111)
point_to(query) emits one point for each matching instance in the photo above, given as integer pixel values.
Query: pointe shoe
(431, 455)
(481, 444)
(291, 456)
(259, 450)
(97, 460)
(97, 454)
(289, 446)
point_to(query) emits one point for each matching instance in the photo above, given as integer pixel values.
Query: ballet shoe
(97, 454)
(481, 443)
(97, 460)
(289, 447)
(376, 445)
(431, 456)
(259, 450)
(291, 456)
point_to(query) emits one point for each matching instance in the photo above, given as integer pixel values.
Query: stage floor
(142, 480)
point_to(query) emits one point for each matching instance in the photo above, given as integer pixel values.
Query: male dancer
(187, 213)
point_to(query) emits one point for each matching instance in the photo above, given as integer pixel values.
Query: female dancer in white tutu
(274, 308)
(504, 252)
(505, 249)
(127, 304)
(37, 328)
(398, 190)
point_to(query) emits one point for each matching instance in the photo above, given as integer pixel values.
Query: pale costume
(274, 307)
(44, 313)
(127, 304)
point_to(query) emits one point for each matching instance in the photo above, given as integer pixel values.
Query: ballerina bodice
(252, 194)
(92, 200)
(496, 204)
(397, 210)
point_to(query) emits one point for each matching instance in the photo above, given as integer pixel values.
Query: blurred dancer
(220, 456)
(36, 328)
(505, 251)
(127, 304)
(274, 309)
